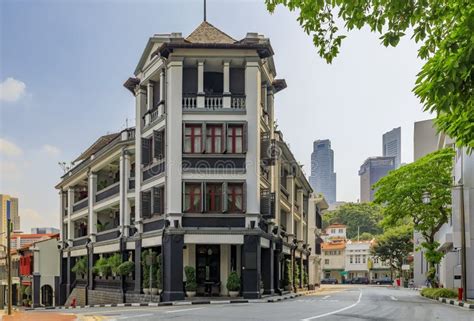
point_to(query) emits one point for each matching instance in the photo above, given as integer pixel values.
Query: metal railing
(107, 192)
(79, 205)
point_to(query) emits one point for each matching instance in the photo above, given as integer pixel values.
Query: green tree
(394, 246)
(362, 216)
(401, 193)
(444, 30)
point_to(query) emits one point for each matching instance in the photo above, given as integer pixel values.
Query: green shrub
(125, 268)
(191, 284)
(289, 273)
(435, 293)
(80, 268)
(158, 272)
(102, 267)
(114, 262)
(297, 275)
(233, 282)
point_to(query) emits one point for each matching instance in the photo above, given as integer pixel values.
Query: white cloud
(10, 171)
(12, 90)
(51, 150)
(8, 148)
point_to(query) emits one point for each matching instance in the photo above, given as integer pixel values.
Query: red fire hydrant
(460, 291)
(73, 302)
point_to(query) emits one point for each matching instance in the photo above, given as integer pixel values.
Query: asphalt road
(335, 303)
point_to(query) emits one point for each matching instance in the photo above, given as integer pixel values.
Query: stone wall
(80, 294)
(105, 297)
(141, 298)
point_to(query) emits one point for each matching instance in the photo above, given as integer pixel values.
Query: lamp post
(9, 261)
(463, 241)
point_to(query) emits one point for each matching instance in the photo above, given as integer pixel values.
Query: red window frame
(214, 197)
(235, 190)
(189, 192)
(232, 135)
(213, 136)
(196, 132)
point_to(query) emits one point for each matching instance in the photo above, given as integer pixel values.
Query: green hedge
(435, 293)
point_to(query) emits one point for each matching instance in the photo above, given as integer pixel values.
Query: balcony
(78, 241)
(107, 192)
(131, 183)
(79, 205)
(213, 102)
(189, 101)
(107, 235)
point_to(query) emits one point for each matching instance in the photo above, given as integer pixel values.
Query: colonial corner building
(204, 179)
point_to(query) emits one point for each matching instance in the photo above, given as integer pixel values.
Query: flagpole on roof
(204, 10)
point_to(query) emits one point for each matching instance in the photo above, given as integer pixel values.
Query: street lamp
(426, 197)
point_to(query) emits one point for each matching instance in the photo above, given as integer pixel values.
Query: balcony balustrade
(107, 235)
(189, 101)
(213, 102)
(79, 205)
(237, 102)
(131, 183)
(78, 241)
(107, 192)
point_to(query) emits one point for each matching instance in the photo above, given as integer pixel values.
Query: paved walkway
(37, 316)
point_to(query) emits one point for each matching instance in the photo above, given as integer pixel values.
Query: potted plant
(297, 276)
(102, 267)
(146, 283)
(126, 268)
(80, 268)
(158, 273)
(233, 284)
(114, 262)
(191, 284)
(289, 276)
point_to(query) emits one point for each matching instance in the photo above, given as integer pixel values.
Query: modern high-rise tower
(392, 145)
(323, 177)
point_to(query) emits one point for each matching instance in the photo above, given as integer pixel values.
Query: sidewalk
(36, 316)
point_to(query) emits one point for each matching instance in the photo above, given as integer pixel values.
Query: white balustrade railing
(189, 102)
(213, 102)
(237, 102)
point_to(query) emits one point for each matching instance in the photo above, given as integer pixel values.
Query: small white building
(357, 258)
(334, 231)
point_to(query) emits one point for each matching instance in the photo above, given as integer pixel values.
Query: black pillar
(57, 291)
(138, 266)
(251, 267)
(172, 264)
(90, 268)
(268, 270)
(277, 273)
(36, 290)
(68, 274)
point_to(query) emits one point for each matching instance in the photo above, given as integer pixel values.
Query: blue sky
(63, 64)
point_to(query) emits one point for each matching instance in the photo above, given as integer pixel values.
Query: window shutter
(204, 204)
(183, 197)
(244, 137)
(145, 151)
(157, 200)
(158, 144)
(223, 138)
(203, 138)
(224, 197)
(244, 197)
(182, 140)
(146, 204)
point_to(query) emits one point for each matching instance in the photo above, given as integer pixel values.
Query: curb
(175, 303)
(469, 306)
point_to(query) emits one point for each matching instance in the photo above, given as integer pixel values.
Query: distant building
(392, 145)
(44, 230)
(373, 169)
(333, 260)
(19, 240)
(323, 177)
(336, 231)
(15, 217)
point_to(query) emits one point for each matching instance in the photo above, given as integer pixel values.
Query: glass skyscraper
(323, 177)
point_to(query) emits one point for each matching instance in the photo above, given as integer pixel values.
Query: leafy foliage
(158, 272)
(364, 216)
(114, 262)
(438, 293)
(102, 267)
(297, 275)
(146, 270)
(126, 268)
(233, 282)
(190, 273)
(81, 266)
(289, 273)
(394, 245)
(444, 29)
(401, 193)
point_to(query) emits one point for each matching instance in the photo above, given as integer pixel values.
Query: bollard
(460, 290)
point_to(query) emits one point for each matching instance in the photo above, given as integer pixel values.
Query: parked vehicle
(361, 280)
(329, 281)
(382, 281)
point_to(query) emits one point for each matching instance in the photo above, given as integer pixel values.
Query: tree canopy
(394, 245)
(364, 216)
(444, 29)
(401, 193)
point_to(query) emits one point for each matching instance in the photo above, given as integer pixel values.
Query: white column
(70, 202)
(149, 94)
(61, 215)
(226, 99)
(124, 204)
(252, 92)
(200, 93)
(174, 139)
(140, 110)
(92, 215)
(162, 91)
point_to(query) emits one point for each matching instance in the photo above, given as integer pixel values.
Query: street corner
(39, 316)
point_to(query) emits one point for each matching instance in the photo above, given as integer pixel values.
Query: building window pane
(214, 139)
(235, 197)
(192, 198)
(235, 139)
(193, 139)
(214, 197)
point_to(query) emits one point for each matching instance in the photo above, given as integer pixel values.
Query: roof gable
(207, 33)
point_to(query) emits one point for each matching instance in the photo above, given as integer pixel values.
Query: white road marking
(134, 316)
(393, 298)
(334, 312)
(327, 296)
(183, 310)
